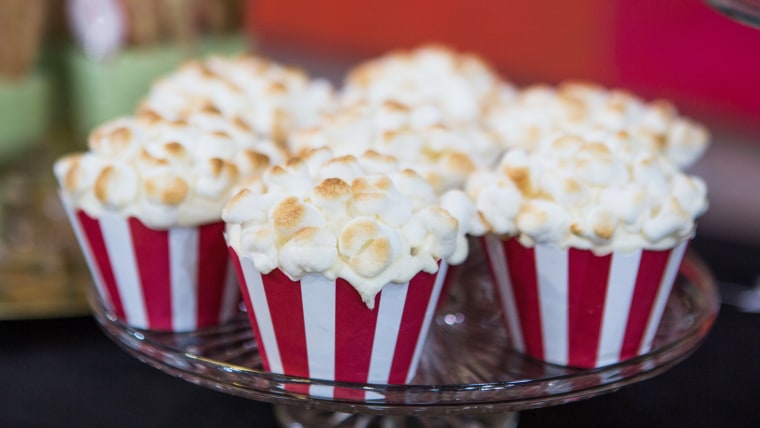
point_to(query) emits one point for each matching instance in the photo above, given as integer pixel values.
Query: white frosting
(270, 98)
(460, 85)
(594, 193)
(165, 174)
(369, 229)
(444, 155)
(538, 111)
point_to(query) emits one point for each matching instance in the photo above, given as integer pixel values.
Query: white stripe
(84, 244)
(617, 305)
(504, 285)
(118, 240)
(318, 300)
(183, 274)
(231, 296)
(551, 269)
(663, 293)
(389, 312)
(255, 287)
(431, 306)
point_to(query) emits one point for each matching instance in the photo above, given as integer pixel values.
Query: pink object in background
(573, 308)
(179, 279)
(320, 328)
(98, 25)
(686, 51)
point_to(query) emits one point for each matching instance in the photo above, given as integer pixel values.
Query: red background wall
(678, 49)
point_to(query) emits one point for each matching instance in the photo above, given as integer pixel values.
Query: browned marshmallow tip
(168, 191)
(288, 213)
(102, 183)
(332, 188)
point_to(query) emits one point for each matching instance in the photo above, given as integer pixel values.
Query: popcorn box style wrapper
(321, 329)
(573, 308)
(179, 279)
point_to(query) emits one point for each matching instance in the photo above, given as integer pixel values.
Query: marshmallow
(579, 192)
(460, 86)
(580, 108)
(163, 173)
(444, 155)
(267, 98)
(341, 219)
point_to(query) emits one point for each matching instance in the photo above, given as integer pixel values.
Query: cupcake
(145, 202)
(584, 236)
(340, 261)
(460, 85)
(536, 112)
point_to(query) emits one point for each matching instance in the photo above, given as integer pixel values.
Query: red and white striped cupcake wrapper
(573, 308)
(179, 279)
(321, 329)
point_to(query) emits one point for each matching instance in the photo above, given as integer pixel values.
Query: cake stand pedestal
(468, 377)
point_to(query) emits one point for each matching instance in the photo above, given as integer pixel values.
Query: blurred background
(66, 66)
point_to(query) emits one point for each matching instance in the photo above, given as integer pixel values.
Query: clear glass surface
(466, 367)
(744, 11)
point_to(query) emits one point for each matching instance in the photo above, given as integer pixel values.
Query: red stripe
(522, 271)
(151, 249)
(353, 346)
(587, 277)
(212, 272)
(417, 299)
(286, 310)
(94, 236)
(651, 268)
(249, 307)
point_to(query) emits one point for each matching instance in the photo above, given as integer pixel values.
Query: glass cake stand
(467, 377)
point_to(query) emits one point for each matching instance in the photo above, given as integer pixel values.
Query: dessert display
(341, 261)
(343, 211)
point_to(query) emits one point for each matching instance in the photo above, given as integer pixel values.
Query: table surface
(66, 372)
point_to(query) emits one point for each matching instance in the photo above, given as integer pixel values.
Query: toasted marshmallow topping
(461, 86)
(593, 193)
(538, 111)
(269, 98)
(444, 155)
(338, 217)
(165, 174)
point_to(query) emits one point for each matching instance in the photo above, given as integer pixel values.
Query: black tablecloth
(66, 372)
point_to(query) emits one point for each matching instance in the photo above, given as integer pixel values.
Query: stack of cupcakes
(342, 212)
